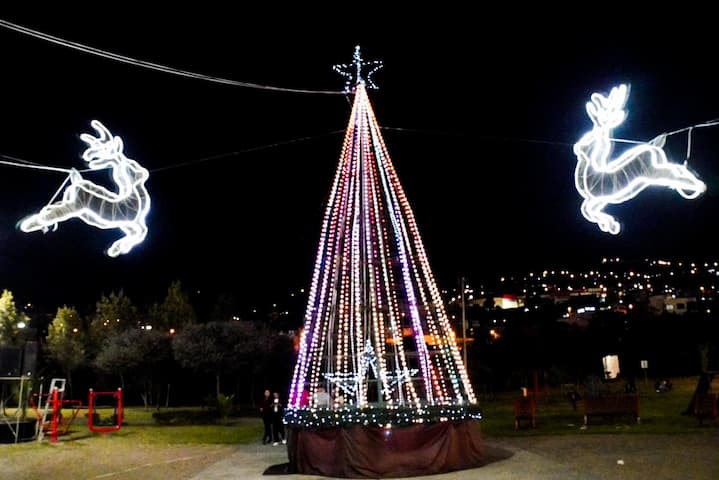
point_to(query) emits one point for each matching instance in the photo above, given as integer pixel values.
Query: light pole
(464, 325)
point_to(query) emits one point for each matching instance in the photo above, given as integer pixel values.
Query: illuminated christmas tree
(376, 335)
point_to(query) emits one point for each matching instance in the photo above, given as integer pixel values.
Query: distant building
(506, 302)
(672, 304)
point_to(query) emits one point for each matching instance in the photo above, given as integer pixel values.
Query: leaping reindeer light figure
(602, 181)
(125, 209)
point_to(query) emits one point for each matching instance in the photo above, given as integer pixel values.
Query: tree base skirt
(375, 452)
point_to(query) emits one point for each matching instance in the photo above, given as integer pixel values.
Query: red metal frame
(91, 406)
(65, 422)
(56, 409)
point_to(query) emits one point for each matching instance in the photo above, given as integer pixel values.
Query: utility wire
(246, 150)
(18, 162)
(154, 66)
(709, 123)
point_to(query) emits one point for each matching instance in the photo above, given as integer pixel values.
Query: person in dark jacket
(266, 412)
(278, 428)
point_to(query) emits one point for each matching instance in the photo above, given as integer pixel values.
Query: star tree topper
(353, 71)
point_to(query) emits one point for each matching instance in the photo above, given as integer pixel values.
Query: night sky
(482, 127)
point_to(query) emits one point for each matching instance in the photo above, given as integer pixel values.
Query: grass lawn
(152, 451)
(660, 413)
(141, 449)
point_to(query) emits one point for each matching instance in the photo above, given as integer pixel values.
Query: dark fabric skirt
(375, 452)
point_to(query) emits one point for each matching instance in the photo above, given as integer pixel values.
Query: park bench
(525, 408)
(611, 405)
(705, 407)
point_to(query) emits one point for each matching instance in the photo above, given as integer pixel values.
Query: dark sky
(491, 107)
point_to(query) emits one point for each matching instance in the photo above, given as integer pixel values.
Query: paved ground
(557, 457)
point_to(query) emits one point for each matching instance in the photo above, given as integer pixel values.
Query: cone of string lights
(379, 388)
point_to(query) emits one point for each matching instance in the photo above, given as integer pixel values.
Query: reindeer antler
(104, 134)
(103, 149)
(608, 112)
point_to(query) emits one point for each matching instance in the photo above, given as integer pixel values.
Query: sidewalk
(588, 457)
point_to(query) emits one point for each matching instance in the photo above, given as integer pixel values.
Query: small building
(508, 301)
(672, 304)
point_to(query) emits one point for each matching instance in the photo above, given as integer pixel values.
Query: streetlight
(464, 326)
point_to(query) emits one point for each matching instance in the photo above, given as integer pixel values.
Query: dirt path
(657, 457)
(586, 457)
(78, 460)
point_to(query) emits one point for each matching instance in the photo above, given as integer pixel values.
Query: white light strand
(153, 66)
(440, 328)
(602, 181)
(125, 209)
(372, 287)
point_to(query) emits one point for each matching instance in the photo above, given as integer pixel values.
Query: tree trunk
(167, 397)
(68, 375)
(147, 397)
(217, 380)
(252, 388)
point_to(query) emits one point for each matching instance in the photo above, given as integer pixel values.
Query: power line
(154, 66)
(246, 150)
(19, 162)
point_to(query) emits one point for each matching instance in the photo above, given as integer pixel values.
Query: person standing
(266, 412)
(278, 428)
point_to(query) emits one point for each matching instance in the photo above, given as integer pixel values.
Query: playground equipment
(14, 426)
(93, 418)
(51, 404)
(48, 409)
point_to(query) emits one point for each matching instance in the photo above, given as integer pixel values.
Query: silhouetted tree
(139, 357)
(65, 341)
(13, 323)
(219, 348)
(175, 311)
(113, 314)
(224, 309)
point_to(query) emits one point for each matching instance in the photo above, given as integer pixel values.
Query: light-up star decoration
(353, 71)
(349, 383)
(125, 209)
(603, 181)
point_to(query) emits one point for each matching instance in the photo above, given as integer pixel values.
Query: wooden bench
(611, 405)
(525, 408)
(705, 407)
